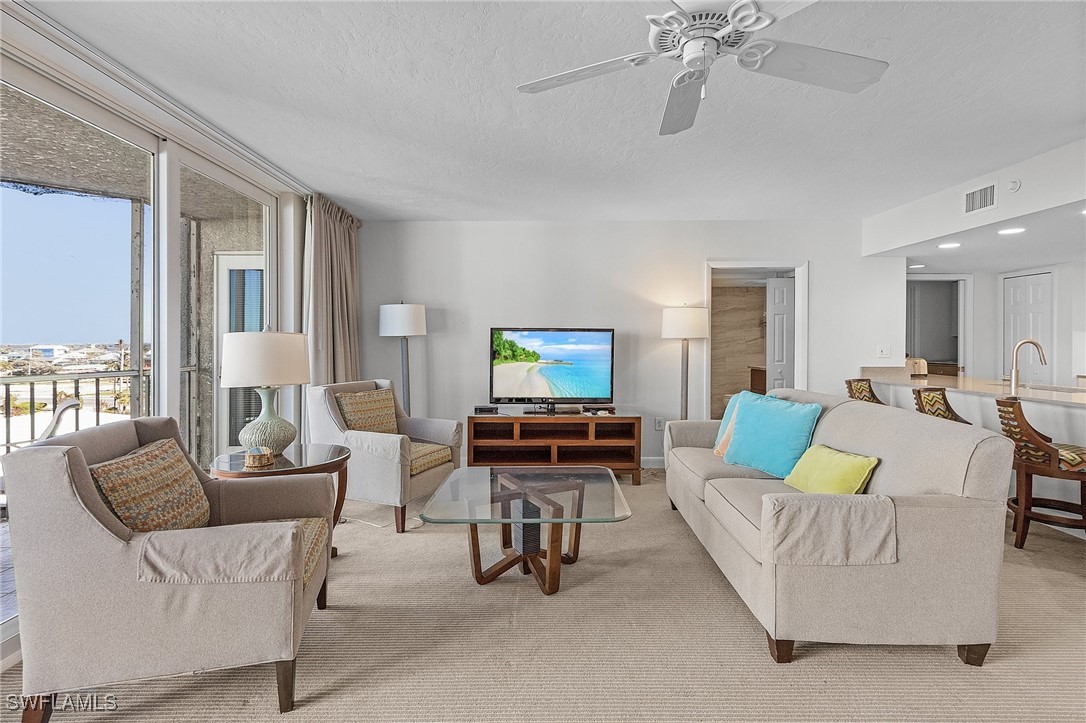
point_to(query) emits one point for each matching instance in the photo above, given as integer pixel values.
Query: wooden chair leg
(401, 518)
(284, 678)
(780, 650)
(973, 654)
(38, 709)
(1024, 488)
(322, 595)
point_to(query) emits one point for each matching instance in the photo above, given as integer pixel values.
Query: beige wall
(738, 341)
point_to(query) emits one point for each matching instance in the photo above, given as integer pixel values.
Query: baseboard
(12, 652)
(652, 462)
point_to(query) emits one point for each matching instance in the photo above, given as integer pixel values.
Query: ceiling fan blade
(588, 71)
(780, 9)
(682, 101)
(814, 66)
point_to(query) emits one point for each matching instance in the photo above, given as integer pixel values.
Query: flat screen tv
(552, 366)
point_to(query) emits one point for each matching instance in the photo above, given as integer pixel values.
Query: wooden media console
(605, 441)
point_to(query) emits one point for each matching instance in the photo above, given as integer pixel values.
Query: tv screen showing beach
(531, 364)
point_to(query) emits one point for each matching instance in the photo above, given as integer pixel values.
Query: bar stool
(933, 402)
(861, 389)
(1035, 453)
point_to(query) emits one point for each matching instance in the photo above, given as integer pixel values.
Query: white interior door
(1027, 314)
(780, 319)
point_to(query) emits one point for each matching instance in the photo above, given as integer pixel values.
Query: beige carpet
(645, 627)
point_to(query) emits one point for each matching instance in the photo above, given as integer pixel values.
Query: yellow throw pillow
(373, 411)
(822, 470)
(153, 488)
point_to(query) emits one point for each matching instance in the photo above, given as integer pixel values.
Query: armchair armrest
(438, 431)
(254, 499)
(388, 447)
(689, 433)
(257, 552)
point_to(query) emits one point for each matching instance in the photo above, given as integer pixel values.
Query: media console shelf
(604, 441)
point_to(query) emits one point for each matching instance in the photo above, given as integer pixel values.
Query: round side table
(296, 459)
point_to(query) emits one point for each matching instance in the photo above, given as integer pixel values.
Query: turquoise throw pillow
(771, 434)
(728, 412)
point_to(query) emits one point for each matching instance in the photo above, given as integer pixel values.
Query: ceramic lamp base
(269, 429)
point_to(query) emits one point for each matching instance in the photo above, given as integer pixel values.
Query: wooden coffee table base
(545, 564)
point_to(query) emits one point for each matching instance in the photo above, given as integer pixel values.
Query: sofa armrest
(814, 529)
(438, 431)
(689, 433)
(256, 552)
(254, 499)
(387, 447)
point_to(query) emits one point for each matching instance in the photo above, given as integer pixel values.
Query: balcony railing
(29, 401)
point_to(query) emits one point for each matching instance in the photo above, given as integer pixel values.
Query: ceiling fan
(707, 31)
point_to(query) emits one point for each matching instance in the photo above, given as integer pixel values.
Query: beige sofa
(913, 561)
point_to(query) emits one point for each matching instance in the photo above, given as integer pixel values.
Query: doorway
(758, 329)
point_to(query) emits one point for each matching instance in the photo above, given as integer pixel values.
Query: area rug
(645, 627)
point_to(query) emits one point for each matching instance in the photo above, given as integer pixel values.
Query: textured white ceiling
(408, 110)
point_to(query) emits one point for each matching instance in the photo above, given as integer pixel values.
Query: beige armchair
(380, 466)
(101, 604)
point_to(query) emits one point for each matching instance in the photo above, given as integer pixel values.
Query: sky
(565, 344)
(65, 268)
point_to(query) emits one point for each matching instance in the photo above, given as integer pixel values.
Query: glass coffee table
(521, 500)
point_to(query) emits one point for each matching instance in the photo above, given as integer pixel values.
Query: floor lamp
(403, 320)
(686, 323)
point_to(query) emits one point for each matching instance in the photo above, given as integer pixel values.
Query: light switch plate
(882, 351)
(659, 424)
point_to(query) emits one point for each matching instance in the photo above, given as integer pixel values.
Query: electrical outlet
(882, 351)
(659, 424)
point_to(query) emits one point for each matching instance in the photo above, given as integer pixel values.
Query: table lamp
(265, 360)
(686, 323)
(403, 320)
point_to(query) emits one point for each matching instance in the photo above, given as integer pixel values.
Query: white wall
(472, 276)
(1048, 180)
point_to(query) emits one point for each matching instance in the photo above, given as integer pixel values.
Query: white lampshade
(686, 322)
(403, 320)
(264, 359)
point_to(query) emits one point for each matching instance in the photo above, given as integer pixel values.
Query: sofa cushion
(373, 411)
(153, 488)
(426, 455)
(737, 504)
(822, 470)
(771, 434)
(694, 465)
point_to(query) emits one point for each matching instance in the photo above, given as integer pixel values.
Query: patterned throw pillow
(373, 411)
(153, 488)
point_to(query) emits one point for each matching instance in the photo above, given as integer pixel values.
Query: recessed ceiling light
(916, 266)
(949, 245)
(1009, 231)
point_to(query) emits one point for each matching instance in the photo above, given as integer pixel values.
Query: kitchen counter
(897, 376)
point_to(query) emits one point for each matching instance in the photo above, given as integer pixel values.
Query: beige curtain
(332, 301)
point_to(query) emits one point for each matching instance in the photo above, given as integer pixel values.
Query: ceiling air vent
(980, 199)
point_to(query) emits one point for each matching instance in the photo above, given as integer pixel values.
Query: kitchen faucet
(1014, 362)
